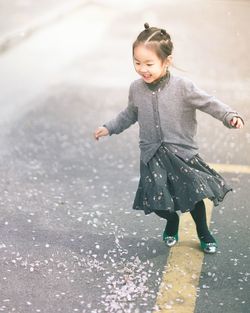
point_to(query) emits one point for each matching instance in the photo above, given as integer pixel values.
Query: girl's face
(148, 65)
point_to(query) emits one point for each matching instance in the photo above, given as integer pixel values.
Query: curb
(12, 39)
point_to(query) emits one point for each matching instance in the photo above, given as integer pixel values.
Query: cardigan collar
(160, 83)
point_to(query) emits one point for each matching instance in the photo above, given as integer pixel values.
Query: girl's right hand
(100, 132)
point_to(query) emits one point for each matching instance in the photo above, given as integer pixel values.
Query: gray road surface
(69, 241)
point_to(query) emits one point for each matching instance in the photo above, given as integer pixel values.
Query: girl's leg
(200, 219)
(172, 221)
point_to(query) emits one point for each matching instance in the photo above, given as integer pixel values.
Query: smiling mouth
(146, 76)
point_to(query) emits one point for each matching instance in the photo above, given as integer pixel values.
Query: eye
(150, 64)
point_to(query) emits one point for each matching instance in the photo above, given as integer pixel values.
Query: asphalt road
(69, 240)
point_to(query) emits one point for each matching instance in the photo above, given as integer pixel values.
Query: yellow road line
(178, 290)
(231, 168)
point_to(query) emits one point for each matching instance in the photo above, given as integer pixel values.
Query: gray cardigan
(168, 115)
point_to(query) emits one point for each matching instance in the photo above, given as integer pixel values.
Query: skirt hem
(215, 201)
(170, 183)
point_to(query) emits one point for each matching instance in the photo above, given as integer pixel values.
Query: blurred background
(88, 44)
(65, 68)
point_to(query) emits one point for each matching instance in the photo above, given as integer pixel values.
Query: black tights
(199, 216)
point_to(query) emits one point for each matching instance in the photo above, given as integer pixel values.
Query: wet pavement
(69, 240)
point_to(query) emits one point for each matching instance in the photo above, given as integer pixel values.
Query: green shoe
(170, 241)
(209, 247)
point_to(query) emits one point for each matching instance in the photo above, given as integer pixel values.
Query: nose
(142, 69)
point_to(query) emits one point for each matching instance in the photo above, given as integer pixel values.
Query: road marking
(231, 168)
(178, 289)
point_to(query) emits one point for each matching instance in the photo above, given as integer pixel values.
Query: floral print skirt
(168, 182)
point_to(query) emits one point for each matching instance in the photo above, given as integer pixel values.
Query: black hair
(157, 39)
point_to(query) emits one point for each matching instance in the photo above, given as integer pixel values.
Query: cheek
(135, 66)
(162, 68)
(157, 69)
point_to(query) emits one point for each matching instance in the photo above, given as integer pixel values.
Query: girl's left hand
(236, 122)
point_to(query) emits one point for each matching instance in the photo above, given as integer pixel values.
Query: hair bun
(146, 26)
(163, 32)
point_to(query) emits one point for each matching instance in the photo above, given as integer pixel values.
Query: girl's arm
(123, 120)
(209, 104)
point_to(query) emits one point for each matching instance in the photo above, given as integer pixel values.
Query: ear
(169, 60)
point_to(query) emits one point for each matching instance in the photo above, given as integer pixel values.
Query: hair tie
(146, 26)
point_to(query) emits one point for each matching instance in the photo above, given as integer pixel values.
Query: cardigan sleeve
(125, 118)
(202, 101)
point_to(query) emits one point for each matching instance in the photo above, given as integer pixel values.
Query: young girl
(173, 176)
